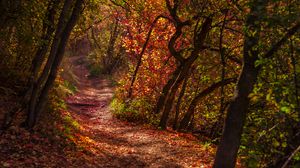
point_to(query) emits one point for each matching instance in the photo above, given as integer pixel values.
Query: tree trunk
(36, 62)
(37, 86)
(178, 104)
(49, 28)
(230, 141)
(191, 110)
(56, 62)
(166, 101)
(162, 98)
(110, 53)
(234, 122)
(42, 51)
(170, 99)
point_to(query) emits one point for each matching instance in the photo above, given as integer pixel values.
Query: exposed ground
(102, 140)
(116, 143)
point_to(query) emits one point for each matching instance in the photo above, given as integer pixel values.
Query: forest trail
(111, 142)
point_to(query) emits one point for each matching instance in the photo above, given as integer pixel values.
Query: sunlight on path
(114, 143)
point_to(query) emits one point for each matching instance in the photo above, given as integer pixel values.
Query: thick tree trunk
(170, 99)
(167, 97)
(165, 92)
(37, 86)
(56, 62)
(236, 115)
(230, 141)
(40, 55)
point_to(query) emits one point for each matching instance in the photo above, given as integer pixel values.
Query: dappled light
(150, 83)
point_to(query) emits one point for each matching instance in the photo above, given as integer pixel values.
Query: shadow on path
(114, 143)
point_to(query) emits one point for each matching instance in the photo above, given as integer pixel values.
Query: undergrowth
(137, 110)
(95, 70)
(64, 124)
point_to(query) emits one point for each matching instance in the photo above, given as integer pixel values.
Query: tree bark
(170, 99)
(230, 141)
(178, 104)
(42, 51)
(162, 98)
(38, 85)
(49, 28)
(199, 38)
(223, 69)
(36, 62)
(236, 114)
(188, 115)
(32, 118)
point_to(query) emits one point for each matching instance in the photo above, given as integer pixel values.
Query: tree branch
(121, 6)
(290, 157)
(290, 33)
(141, 54)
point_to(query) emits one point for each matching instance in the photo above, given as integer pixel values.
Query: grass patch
(70, 121)
(70, 86)
(58, 116)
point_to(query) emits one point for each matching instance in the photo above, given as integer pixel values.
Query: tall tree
(50, 70)
(231, 137)
(166, 99)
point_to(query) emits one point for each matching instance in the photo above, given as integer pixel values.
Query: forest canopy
(222, 69)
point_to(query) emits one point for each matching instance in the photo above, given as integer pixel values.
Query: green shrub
(95, 70)
(138, 110)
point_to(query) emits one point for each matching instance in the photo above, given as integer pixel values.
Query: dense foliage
(272, 122)
(226, 70)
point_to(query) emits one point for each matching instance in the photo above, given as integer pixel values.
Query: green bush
(95, 70)
(137, 110)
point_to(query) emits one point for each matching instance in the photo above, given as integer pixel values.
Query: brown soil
(102, 141)
(115, 143)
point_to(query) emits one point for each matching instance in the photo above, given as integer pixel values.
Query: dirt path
(114, 143)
